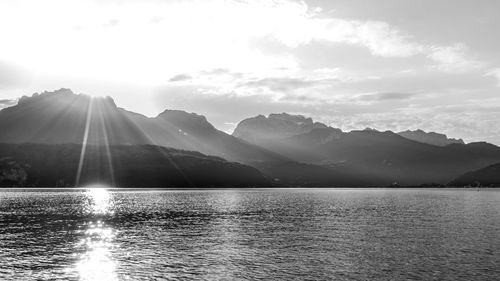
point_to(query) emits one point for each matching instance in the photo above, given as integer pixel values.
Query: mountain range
(429, 137)
(277, 150)
(377, 157)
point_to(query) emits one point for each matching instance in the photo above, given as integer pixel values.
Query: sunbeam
(106, 144)
(63, 108)
(151, 140)
(84, 143)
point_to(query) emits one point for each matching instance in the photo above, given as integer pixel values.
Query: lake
(250, 234)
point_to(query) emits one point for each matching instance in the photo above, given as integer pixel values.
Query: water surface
(280, 234)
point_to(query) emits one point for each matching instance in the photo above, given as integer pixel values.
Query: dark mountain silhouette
(377, 157)
(429, 138)
(43, 165)
(488, 176)
(62, 117)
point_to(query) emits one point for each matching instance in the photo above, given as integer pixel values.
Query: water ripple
(100, 234)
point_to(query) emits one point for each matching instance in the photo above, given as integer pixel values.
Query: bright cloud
(454, 59)
(495, 73)
(144, 41)
(149, 40)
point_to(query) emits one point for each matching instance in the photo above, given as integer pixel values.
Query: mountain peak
(288, 117)
(65, 96)
(167, 113)
(106, 100)
(185, 119)
(45, 95)
(275, 126)
(432, 138)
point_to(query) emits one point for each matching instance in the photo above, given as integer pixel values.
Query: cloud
(495, 73)
(7, 102)
(386, 96)
(281, 84)
(223, 110)
(384, 40)
(471, 125)
(209, 77)
(379, 37)
(216, 71)
(453, 59)
(221, 72)
(180, 77)
(321, 86)
(185, 40)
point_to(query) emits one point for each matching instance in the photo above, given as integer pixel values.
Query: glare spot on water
(96, 262)
(99, 200)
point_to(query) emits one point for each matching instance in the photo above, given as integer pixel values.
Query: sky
(386, 64)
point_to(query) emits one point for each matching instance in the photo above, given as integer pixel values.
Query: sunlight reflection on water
(96, 262)
(99, 201)
(264, 234)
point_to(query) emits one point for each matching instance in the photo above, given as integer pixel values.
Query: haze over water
(324, 234)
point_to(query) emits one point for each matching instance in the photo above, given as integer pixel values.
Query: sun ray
(48, 124)
(158, 147)
(106, 144)
(84, 143)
